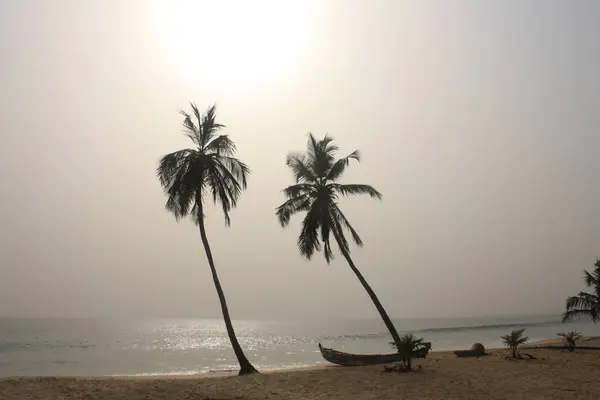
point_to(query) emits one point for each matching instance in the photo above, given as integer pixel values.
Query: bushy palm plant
(408, 345)
(515, 340)
(571, 339)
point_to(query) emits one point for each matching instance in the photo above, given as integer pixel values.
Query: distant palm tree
(515, 340)
(586, 305)
(571, 338)
(188, 175)
(316, 192)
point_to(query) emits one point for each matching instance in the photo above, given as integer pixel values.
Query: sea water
(79, 347)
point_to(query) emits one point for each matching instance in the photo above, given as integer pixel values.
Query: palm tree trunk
(372, 295)
(245, 366)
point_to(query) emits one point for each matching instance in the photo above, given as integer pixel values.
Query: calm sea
(187, 346)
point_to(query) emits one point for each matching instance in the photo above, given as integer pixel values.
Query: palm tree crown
(210, 168)
(586, 305)
(316, 192)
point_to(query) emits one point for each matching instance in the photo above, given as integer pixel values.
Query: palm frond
(235, 170)
(340, 236)
(321, 154)
(296, 204)
(300, 168)
(338, 215)
(308, 241)
(409, 340)
(170, 164)
(190, 129)
(592, 279)
(582, 300)
(515, 338)
(221, 145)
(570, 336)
(182, 191)
(325, 231)
(348, 190)
(224, 190)
(339, 167)
(209, 126)
(298, 189)
(592, 314)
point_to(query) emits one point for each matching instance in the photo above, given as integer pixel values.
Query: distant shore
(555, 374)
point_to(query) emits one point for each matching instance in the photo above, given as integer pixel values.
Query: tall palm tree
(316, 192)
(586, 305)
(189, 175)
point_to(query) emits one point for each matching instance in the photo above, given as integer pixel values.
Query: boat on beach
(352, 360)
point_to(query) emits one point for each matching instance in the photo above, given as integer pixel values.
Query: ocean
(80, 347)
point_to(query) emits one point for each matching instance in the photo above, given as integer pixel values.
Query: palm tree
(586, 305)
(316, 192)
(409, 344)
(188, 175)
(515, 340)
(571, 338)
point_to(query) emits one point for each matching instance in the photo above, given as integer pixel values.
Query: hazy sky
(479, 121)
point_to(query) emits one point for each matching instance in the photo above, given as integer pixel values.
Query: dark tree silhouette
(210, 168)
(585, 305)
(409, 345)
(316, 192)
(571, 339)
(514, 341)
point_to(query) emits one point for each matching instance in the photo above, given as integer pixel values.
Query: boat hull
(353, 360)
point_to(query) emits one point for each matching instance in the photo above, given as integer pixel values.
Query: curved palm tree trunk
(372, 295)
(245, 366)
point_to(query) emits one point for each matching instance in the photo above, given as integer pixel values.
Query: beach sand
(555, 374)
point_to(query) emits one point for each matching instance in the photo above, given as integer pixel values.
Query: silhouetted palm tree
(515, 340)
(586, 305)
(210, 168)
(316, 192)
(409, 344)
(571, 339)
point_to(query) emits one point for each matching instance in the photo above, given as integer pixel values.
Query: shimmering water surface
(186, 346)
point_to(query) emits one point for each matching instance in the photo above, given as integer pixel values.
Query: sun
(234, 42)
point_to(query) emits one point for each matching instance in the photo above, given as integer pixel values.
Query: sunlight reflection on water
(187, 346)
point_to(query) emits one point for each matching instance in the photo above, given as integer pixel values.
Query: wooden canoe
(351, 360)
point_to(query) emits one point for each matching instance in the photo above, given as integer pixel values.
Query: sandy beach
(555, 374)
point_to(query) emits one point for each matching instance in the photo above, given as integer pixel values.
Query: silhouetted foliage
(515, 340)
(571, 339)
(316, 193)
(585, 305)
(409, 345)
(210, 168)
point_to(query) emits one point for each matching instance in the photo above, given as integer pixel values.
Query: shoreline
(442, 375)
(585, 341)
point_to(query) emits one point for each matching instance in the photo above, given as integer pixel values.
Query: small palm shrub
(409, 344)
(515, 340)
(571, 339)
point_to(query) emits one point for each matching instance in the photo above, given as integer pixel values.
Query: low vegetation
(571, 339)
(515, 340)
(410, 347)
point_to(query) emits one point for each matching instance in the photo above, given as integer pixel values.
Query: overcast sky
(479, 121)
